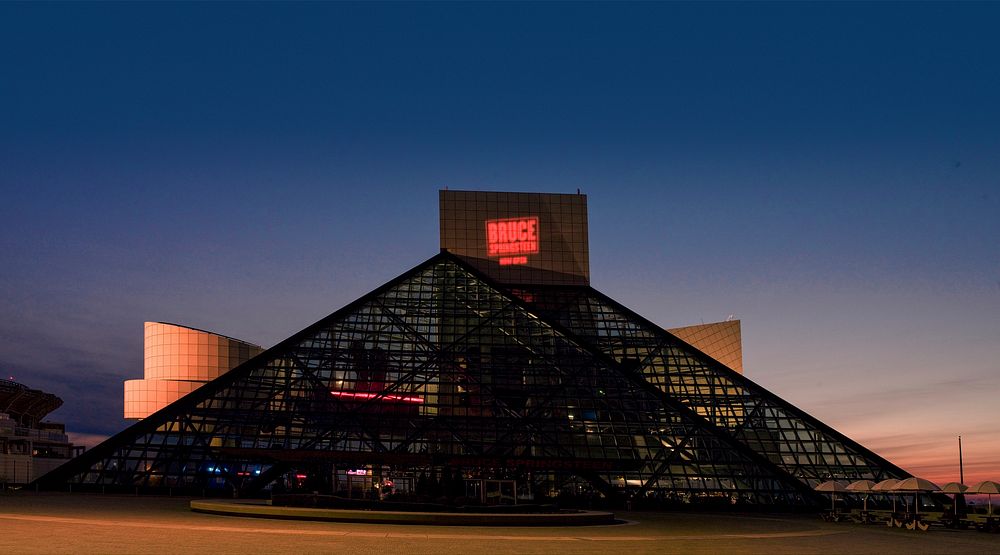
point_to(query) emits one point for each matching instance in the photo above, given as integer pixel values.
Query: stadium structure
(29, 445)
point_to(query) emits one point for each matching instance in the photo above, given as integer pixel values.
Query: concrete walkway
(63, 523)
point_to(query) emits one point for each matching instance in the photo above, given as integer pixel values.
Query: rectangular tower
(519, 238)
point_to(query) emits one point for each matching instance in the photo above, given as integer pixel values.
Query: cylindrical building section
(176, 361)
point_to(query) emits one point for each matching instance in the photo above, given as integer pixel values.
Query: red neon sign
(363, 395)
(512, 238)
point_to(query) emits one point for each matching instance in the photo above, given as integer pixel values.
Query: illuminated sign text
(509, 237)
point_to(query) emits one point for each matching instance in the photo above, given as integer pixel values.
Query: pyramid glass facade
(445, 371)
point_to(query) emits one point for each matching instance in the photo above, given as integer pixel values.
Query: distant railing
(10, 383)
(41, 435)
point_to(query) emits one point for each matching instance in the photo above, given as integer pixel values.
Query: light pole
(961, 468)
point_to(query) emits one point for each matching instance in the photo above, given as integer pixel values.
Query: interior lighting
(366, 395)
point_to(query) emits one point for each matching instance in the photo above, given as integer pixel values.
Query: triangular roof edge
(150, 424)
(672, 403)
(744, 380)
(154, 420)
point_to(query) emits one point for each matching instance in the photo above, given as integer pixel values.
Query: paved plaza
(107, 524)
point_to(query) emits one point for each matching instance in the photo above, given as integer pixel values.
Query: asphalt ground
(111, 524)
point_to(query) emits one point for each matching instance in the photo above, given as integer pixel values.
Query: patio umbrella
(915, 485)
(990, 488)
(953, 487)
(832, 487)
(885, 486)
(957, 489)
(862, 486)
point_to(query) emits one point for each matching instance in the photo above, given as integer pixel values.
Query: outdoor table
(913, 521)
(831, 516)
(868, 517)
(984, 523)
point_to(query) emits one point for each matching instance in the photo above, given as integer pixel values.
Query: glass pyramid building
(449, 371)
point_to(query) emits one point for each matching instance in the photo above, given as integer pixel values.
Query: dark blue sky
(829, 173)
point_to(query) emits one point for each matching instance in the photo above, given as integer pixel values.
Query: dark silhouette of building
(495, 370)
(29, 446)
(443, 368)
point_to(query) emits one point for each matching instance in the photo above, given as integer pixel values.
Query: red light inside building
(512, 236)
(363, 395)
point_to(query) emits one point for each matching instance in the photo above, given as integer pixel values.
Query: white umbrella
(990, 488)
(915, 485)
(865, 486)
(862, 486)
(957, 489)
(953, 487)
(885, 486)
(832, 487)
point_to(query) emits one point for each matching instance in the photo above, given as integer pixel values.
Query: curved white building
(176, 361)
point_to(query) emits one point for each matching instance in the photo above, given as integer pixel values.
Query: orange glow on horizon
(926, 455)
